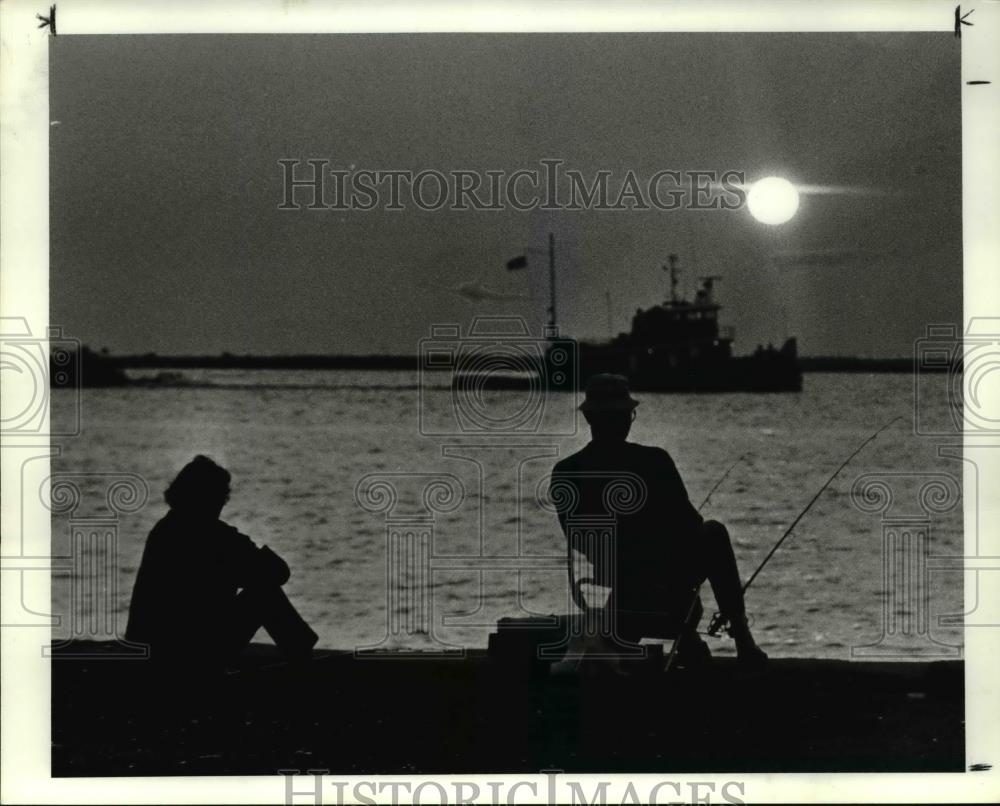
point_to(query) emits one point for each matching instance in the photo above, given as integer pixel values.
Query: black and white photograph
(503, 409)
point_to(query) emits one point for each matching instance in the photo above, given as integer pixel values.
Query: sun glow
(773, 200)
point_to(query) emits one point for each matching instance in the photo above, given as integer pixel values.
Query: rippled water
(298, 444)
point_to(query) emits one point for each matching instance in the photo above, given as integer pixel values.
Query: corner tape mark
(960, 20)
(49, 21)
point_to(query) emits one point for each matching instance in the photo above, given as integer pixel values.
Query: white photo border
(24, 180)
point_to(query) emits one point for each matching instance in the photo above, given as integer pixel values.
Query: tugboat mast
(672, 268)
(552, 281)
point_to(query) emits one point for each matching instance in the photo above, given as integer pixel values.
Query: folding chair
(607, 630)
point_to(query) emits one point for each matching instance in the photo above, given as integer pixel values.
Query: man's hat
(607, 392)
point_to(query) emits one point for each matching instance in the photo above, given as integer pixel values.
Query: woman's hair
(201, 484)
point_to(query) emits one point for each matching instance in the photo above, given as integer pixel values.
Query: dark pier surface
(399, 715)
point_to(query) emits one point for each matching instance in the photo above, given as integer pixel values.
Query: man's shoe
(747, 651)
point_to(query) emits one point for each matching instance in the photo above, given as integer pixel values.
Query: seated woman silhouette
(203, 589)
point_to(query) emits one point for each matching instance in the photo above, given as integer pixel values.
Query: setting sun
(773, 200)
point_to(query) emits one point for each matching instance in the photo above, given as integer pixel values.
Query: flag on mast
(519, 262)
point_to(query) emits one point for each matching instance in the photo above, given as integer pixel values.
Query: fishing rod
(719, 482)
(718, 622)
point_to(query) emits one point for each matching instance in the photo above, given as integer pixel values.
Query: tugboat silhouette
(676, 346)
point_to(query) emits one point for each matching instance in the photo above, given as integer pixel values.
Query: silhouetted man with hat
(662, 548)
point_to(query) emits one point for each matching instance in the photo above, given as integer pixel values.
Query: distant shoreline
(412, 363)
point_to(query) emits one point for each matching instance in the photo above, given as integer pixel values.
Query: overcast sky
(165, 185)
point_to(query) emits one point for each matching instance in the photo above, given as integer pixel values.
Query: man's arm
(686, 518)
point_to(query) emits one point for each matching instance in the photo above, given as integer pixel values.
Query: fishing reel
(717, 624)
